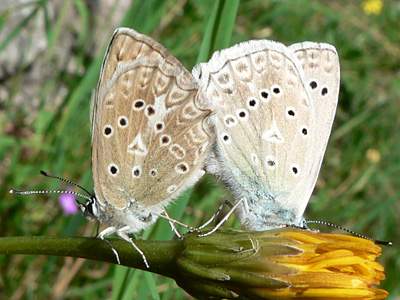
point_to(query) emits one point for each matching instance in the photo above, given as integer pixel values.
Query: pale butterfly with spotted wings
(150, 135)
(273, 112)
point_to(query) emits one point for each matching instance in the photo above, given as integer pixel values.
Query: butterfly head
(89, 209)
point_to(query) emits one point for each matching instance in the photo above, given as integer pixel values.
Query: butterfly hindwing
(320, 63)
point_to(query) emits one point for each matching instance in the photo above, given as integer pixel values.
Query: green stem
(161, 255)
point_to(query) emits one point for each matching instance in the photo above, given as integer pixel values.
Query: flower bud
(282, 263)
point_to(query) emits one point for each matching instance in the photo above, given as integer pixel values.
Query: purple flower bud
(67, 202)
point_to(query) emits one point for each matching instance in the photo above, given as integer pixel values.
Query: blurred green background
(50, 56)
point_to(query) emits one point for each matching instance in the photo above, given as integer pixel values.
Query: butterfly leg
(243, 199)
(122, 233)
(245, 205)
(215, 215)
(172, 220)
(173, 227)
(108, 231)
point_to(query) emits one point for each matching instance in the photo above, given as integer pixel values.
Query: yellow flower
(373, 155)
(330, 266)
(284, 263)
(372, 6)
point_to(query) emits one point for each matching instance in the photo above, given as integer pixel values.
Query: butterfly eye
(91, 207)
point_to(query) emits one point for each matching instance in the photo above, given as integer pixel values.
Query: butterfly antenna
(350, 231)
(65, 180)
(49, 192)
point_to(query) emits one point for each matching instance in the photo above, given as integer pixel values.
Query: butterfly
(273, 108)
(150, 135)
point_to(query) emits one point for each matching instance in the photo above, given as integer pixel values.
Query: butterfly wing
(264, 122)
(320, 63)
(149, 127)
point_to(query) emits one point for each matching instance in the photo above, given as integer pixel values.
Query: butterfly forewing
(149, 123)
(264, 118)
